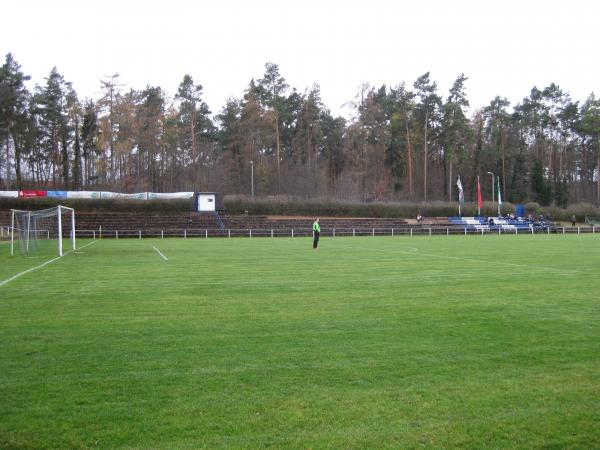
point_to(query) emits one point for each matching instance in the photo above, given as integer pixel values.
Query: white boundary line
(14, 277)
(160, 253)
(86, 245)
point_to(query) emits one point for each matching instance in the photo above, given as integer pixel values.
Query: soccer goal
(43, 230)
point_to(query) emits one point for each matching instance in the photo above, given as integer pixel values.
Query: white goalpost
(35, 231)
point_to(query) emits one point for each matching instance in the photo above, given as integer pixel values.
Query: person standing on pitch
(316, 233)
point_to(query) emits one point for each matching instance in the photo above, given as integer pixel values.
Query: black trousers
(315, 239)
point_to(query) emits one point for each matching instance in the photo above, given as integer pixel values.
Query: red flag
(478, 195)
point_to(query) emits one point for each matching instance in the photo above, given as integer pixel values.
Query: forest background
(407, 142)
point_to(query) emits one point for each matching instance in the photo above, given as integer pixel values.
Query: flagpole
(478, 197)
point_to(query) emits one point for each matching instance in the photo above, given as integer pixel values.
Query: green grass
(470, 342)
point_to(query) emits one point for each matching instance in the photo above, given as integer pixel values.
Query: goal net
(47, 231)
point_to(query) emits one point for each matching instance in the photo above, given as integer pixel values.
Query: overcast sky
(504, 47)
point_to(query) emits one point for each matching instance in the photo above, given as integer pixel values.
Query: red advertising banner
(32, 193)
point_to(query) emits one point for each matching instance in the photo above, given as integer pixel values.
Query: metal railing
(206, 233)
(332, 232)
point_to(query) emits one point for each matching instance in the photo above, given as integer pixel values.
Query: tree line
(403, 143)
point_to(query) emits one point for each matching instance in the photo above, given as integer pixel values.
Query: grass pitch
(471, 342)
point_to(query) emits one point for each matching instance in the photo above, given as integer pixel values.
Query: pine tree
(14, 98)
(270, 91)
(590, 125)
(149, 129)
(455, 130)
(56, 132)
(540, 188)
(518, 181)
(333, 146)
(192, 112)
(497, 123)
(89, 138)
(230, 145)
(108, 103)
(427, 111)
(399, 154)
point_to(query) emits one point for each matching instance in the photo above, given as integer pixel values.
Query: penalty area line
(14, 277)
(160, 253)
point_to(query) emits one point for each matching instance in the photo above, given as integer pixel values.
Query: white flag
(461, 194)
(499, 196)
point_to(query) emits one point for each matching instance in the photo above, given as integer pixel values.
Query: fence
(4, 232)
(333, 232)
(307, 232)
